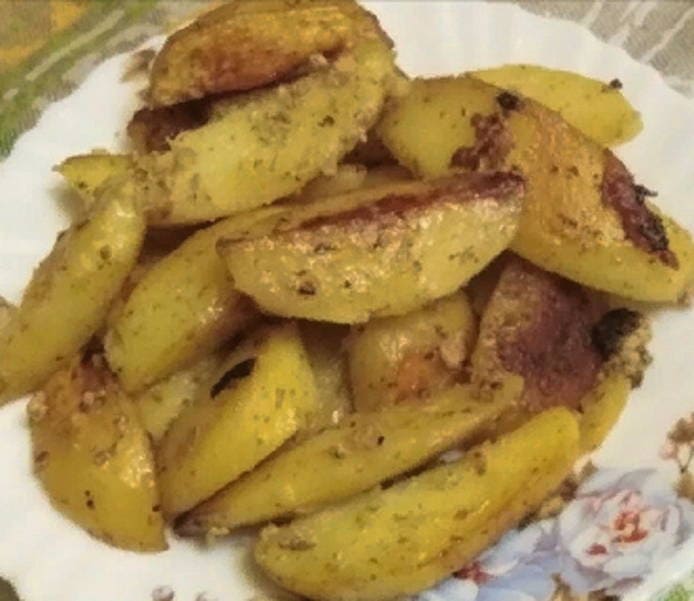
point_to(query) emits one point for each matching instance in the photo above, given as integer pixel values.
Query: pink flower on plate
(518, 568)
(619, 526)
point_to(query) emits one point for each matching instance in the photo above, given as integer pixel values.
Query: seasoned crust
(641, 225)
(539, 326)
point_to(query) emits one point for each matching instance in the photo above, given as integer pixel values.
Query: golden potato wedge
(70, 293)
(382, 251)
(233, 49)
(324, 346)
(268, 144)
(260, 397)
(367, 449)
(183, 308)
(392, 543)
(414, 355)
(159, 405)
(538, 327)
(597, 109)
(86, 173)
(583, 215)
(93, 457)
(605, 235)
(385, 174)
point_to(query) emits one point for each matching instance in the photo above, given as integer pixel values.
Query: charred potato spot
(492, 144)
(641, 225)
(609, 333)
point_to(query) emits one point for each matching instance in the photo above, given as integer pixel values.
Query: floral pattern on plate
(616, 528)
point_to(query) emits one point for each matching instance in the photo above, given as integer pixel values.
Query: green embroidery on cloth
(48, 74)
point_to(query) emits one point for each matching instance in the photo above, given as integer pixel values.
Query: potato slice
(324, 346)
(583, 215)
(70, 293)
(601, 409)
(183, 308)
(233, 48)
(93, 458)
(597, 109)
(161, 404)
(7, 310)
(538, 327)
(263, 393)
(382, 251)
(412, 355)
(367, 449)
(385, 544)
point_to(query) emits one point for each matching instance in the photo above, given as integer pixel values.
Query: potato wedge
(162, 403)
(538, 327)
(260, 397)
(86, 173)
(181, 310)
(367, 449)
(583, 215)
(346, 179)
(385, 544)
(70, 293)
(414, 355)
(93, 457)
(324, 346)
(232, 49)
(281, 138)
(597, 109)
(383, 251)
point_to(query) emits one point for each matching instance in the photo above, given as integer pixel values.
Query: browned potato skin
(237, 47)
(93, 457)
(538, 326)
(151, 129)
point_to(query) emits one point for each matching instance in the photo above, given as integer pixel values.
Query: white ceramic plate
(50, 560)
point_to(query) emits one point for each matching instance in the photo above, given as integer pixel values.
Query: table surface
(47, 47)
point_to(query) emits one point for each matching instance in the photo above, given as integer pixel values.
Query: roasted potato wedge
(324, 346)
(414, 355)
(86, 173)
(367, 449)
(93, 457)
(597, 109)
(346, 179)
(183, 308)
(232, 48)
(162, 403)
(281, 139)
(70, 293)
(263, 393)
(538, 327)
(583, 215)
(386, 544)
(382, 251)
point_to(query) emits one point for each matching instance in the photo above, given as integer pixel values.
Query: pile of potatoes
(312, 277)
